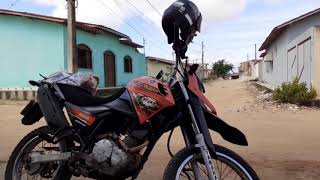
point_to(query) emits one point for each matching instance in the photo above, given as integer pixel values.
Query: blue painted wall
(99, 44)
(29, 47)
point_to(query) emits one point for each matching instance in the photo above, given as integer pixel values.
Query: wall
(316, 60)
(29, 47)
(278, 51)
(154, 67)
(101, 43)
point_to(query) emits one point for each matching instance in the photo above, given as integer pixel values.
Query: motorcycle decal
(147, 104)
(194, 87)
(82, 116)
(146, 86)
(147, 99)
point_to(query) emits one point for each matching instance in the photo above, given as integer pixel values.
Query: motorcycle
(112, 137)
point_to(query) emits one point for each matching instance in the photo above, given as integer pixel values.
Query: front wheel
(228, 164)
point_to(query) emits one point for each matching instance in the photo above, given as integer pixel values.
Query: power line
(154, 8)
(140, 12)
(138, 32)
(198, 51)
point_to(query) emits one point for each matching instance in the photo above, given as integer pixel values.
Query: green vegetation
(294, 92)
(221, 68)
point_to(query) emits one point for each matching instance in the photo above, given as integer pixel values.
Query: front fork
(212, 173)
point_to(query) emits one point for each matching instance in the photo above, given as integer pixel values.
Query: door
(109, 69)
(292, 64)
(304, 62)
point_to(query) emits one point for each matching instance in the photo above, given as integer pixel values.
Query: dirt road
(283, 144)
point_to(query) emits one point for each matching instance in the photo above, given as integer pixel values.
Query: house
(32, 44)
(250, 68)
(155, 65)
(207, 72)
(292, 51)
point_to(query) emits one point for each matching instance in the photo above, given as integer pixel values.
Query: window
(84, 56)
(127, 64)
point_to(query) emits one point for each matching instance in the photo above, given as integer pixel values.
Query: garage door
(292, 64)
(304, 62)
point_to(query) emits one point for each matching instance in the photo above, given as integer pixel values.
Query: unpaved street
(283, 144)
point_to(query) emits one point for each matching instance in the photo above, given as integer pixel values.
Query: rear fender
(31, 113)
(228, 133)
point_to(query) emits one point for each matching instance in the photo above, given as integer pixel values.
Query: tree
(221, 68)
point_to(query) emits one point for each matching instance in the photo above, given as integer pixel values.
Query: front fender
(228, 133)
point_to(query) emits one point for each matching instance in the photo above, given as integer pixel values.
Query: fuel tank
(149, 96)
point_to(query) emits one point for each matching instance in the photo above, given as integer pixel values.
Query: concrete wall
(278, 52)
(154, 67)
(29, 47)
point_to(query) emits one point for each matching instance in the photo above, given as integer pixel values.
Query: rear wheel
(18, 167)
(228, 164)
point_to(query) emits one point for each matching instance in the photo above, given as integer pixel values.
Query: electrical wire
(132, 27)
(155, 9)
(135, 29)
(123, 20)
(140, 12)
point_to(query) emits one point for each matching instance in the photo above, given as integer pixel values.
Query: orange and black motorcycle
(112, 138)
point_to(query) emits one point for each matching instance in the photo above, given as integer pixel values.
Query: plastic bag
(88, 82)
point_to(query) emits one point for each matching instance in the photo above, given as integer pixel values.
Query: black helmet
(182, 15)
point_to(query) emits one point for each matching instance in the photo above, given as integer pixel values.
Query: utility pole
(72, 53)
(202, 59)
(144, 47)
(255, 51)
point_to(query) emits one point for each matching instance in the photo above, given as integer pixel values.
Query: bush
(294, 92)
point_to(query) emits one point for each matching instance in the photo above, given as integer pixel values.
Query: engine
(117, 157)
(108, 151)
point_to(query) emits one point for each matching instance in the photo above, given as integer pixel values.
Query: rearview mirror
(193, 68)
(159, 75)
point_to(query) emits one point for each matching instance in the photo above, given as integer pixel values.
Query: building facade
(32, 44)
(250, 68)
(292, 51)
(155, 65)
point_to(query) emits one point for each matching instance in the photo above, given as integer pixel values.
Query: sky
(230, 28)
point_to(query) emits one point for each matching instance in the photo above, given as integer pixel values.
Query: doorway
(109, 69)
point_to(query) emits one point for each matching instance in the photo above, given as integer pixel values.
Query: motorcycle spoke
(203, 169)
(227, 173)
(236, 177)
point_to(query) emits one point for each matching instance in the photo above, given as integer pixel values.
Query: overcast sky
(230, 27)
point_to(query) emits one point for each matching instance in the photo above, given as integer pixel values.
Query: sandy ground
(283, 144)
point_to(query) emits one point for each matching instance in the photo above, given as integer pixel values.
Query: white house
(155, 65)
(293, 50)
(250, 68)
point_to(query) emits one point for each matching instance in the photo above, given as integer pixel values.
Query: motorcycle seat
(81, 97)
